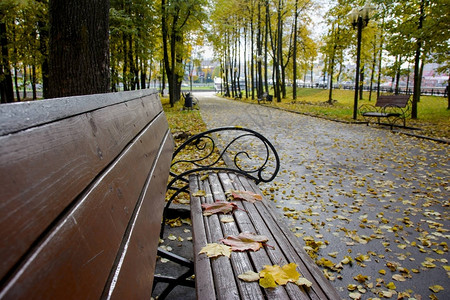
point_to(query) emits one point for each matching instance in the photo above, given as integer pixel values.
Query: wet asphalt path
(355, 191)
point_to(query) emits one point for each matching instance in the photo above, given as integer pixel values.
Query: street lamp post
(360, 19)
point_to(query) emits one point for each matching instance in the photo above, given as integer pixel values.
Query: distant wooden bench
(82, 188)
(265, 97)
(393, 108)
(250, 159)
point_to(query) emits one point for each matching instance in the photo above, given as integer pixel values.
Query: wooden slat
(19, 116)
(74, 260)
(204, 281)
(49, 165)
(222, 268)
(132, 276)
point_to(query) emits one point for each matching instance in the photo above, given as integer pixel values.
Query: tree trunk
(42, 25)
(397, 78)
(372, 73)
(79, 47)
(6, 83)
(266, 49)
(294, 54)
(417, 79)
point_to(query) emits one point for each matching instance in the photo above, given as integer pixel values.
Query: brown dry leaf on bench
(246, 196)
(245, 241)
(218, 207)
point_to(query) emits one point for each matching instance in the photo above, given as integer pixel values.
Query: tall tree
(178, 18)
(6, 83)
(79, 47)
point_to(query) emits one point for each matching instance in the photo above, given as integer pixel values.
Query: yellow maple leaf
(281, 275)
(215, 250)
(267, 281)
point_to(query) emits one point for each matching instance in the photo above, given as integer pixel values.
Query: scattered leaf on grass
(215, 250)
(245, 241)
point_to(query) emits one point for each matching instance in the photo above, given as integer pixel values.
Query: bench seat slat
(222, 268)
(203, 284)
(380, 114)
(137, 263)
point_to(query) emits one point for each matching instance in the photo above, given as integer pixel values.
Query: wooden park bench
(265, 97)
(83, 181)
(393, 108)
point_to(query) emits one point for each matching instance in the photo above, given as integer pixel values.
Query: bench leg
(174, 281)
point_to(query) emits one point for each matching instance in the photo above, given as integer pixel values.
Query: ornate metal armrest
(235, 149)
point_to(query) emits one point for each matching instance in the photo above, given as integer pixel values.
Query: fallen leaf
(227, 219)
(245, 241)
(391, 286)
(398, 277)
(436, 288)
(218, 207)
(199, 193)
(355, 295)
(249, 276)
(215, 250)
(246, 196)
(281, 275)
(267, 282)
(361, 278)
(303, 281)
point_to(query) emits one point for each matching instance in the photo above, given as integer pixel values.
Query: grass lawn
(181, 120)
(433, 116)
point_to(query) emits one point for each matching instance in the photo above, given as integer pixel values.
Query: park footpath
(371, 206)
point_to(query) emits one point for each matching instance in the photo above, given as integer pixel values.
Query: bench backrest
(82, 185)
(396, 100)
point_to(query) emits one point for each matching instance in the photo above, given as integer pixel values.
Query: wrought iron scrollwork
(237, 149)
